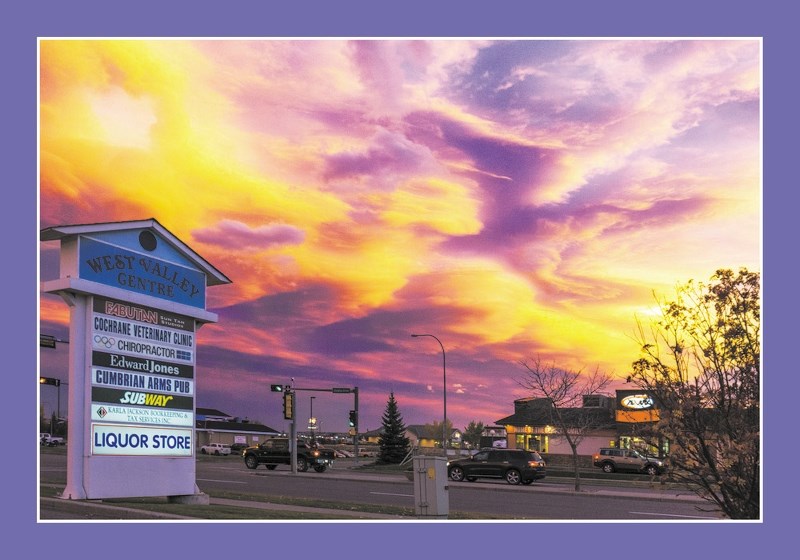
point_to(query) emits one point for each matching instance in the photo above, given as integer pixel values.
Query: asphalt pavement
(87, 510)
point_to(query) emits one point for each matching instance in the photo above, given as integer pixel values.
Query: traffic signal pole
(355, 434)
(290, 392)
(293, 435)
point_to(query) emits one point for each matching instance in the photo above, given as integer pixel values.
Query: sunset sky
(514, 198)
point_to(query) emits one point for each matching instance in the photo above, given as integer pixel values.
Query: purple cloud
(390, 152)
(230, 233)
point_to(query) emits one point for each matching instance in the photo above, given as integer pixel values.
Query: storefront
(532, 438)
(532, 426)
(636, 415)
(628, 421)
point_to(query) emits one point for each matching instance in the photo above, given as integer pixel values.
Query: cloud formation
(236, 235)
(512, 197)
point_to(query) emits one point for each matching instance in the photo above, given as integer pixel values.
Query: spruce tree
(393, 443)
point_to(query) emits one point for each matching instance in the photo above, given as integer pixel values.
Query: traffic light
(47, 341)
(353, 418)
(276, 388)
(49, 381)
(288, 406)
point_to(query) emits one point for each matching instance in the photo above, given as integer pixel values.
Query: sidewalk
(59, 509)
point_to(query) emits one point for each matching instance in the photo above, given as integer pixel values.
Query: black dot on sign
(148, 241)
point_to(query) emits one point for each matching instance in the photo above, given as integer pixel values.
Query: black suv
(238, 448)
(515, 466)
(612, 459)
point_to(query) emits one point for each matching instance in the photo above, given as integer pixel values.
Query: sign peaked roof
(214, 276)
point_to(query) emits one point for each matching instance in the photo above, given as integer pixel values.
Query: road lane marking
(215, 480)
(672, 515)
(391, 494)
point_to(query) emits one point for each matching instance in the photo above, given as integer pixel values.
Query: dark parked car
(515, 466)
(238, 448)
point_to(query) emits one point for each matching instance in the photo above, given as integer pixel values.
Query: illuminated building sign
(636, 406)
(637, 402)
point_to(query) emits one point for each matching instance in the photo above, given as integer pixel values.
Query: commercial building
(214, 426)
(626, 420)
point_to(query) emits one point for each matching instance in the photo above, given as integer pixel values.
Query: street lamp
(444, 390)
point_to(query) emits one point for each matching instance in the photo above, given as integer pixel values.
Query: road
(550, 499)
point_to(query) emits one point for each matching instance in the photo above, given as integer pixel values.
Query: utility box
(431, 498)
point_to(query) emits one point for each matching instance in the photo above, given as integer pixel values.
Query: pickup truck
(50, 440)
(275, 451)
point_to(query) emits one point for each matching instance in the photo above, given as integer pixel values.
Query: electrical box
(431, 497)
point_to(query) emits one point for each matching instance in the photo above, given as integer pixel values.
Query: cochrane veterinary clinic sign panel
(136, 296)
(142, 376)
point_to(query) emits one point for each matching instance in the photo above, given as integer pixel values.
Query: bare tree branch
(565, 389)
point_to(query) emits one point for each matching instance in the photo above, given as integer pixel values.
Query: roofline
(56, 233)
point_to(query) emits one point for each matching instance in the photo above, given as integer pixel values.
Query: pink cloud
(230, 233)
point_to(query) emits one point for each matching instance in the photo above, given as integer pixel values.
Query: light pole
(311, 421)
(444, 390)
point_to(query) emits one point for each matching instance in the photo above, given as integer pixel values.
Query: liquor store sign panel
(142, 380)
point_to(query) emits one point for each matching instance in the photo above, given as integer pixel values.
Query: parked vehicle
(515, 466)
(238, 448)
(613, 459)
(274, 452)
(215, 449)
(50, 440)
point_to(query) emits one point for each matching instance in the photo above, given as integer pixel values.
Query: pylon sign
(137, 296)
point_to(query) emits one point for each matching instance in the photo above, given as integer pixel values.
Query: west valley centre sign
(136, 296)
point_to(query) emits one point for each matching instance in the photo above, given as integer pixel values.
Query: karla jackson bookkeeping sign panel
(142, 375)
